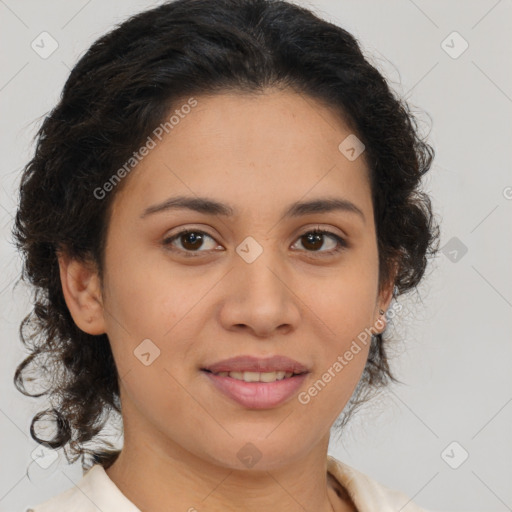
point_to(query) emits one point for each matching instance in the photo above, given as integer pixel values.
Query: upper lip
(257, 364)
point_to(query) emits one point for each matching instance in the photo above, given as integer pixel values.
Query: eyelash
(342, 244)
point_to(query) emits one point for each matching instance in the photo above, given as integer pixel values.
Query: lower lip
(257, 395)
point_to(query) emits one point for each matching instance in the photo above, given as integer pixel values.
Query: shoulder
(95, 491)
(62, 501)
(368, 494)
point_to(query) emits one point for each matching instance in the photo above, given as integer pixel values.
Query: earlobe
(384, 300)
(381, 322)
(82, 293)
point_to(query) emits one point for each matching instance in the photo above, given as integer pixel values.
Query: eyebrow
(211, 207)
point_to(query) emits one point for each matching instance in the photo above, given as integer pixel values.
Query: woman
(218, 215)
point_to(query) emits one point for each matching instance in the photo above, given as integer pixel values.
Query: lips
(262, 391)
(255, 364)
(257, 395)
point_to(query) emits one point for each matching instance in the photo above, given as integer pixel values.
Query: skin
(258, 153)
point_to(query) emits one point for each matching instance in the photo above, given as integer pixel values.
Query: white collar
(96, 492)
(367, 494)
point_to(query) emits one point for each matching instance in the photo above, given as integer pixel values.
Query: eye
(192, 240)
(313, 240)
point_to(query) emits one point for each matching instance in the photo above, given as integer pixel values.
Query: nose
(261, 296)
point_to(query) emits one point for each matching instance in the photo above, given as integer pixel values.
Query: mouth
(256, 390)
(257, 382)
(251, 376)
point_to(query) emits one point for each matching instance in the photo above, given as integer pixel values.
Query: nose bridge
(258, 268)
(259, 295)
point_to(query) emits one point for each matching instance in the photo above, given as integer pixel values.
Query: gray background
(452, 349)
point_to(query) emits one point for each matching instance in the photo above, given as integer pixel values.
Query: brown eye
(313, 241)
(190, 240)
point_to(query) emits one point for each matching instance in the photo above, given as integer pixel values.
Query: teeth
(257, 376)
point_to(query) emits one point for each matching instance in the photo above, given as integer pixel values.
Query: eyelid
(168, 239)
(340, 239)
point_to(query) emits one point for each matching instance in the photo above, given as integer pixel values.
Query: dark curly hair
(119, 91)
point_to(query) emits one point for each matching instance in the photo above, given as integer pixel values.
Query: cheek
(326, 395)
(345, 300)
(149, 297)
(155, 318)
(337, 374)
(343, 309)
(159, 395)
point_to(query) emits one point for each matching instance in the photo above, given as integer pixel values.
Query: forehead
(251, 150)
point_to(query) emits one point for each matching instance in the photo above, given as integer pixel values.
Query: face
(255, 282)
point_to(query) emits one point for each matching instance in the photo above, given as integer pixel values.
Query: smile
(257, 390)
(257, 376)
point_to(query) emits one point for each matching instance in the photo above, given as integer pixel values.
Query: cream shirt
(96, 492)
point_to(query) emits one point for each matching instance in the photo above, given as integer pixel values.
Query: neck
(164, 477)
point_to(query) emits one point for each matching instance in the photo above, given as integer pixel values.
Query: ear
(82, 293)
(384, 298)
